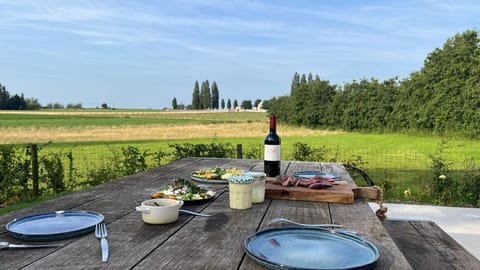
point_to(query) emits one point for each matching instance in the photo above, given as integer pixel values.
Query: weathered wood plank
(338, 193)
(208, 243)
(77, 199)
(427, 246)
(124, 194)
(458, 256)
(191, 242)
(360, 218)
(413, 245)
(300, 211)
(125, 199)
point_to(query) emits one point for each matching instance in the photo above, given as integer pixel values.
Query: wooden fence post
(239, 151)
(34, 153)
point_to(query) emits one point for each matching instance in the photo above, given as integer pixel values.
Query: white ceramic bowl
(160, 211)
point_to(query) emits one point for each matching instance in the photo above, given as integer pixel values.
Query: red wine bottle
(271, 163)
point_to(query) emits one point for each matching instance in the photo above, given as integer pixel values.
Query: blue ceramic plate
(53, 225)
(310, 174)
(310, 248)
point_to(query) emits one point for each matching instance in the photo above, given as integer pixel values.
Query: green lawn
(118, 118)
(403, 160)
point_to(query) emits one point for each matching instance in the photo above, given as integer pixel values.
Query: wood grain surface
(191, 242)
(338, 193)
(427, 246)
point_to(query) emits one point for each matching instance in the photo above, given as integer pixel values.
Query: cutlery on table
(188, 212)
(5, 245)
(303, 224)
(101, 233)
(194, 213)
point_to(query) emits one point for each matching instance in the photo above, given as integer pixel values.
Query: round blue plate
(310, 174)
(53, 225)
(310, 248)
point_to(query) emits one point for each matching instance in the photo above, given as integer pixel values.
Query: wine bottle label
(272, 152)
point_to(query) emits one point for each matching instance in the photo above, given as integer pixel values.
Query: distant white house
(259, 108)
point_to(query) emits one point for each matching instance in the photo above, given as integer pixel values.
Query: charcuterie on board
(317, 188)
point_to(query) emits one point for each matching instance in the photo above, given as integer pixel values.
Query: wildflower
(442, 177)
(407, 193)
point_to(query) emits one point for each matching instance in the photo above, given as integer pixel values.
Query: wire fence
(407, 176)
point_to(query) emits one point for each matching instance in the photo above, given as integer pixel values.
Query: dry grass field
(103, 131)
(144, 132)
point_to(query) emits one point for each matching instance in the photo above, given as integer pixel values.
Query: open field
(401, 160)
(106, 126)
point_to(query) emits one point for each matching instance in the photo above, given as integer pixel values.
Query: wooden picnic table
(191, 242)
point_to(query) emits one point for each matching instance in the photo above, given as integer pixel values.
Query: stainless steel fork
(101, 233)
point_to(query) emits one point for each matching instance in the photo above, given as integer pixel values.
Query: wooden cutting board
(341, 192)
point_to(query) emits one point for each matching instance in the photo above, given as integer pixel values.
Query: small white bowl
(160, 211)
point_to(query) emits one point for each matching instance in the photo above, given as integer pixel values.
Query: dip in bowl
(160, 211)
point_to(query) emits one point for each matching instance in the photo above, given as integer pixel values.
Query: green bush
(52, 172)
(302, 151)
(214, 149)
(14, 174)
(134, 160)
(441, 185)
(468, 185)
(101, 172)
(57, 172)
(253, 151)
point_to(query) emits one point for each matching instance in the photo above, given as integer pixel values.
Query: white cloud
(234, 40)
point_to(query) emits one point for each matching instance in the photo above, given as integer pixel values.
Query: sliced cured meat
(321, 177)
(315, 182)
(286, 181)
(278, 180)
(319, 185)
(302, 182)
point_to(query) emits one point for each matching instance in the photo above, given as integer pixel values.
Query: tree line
(442, 98)
(208, 98)
(16, 102)
(19, 102)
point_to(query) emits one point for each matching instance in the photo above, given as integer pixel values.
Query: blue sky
(141, 54)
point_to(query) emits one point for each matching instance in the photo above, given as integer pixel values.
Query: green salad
(185, 190)
(217, 173)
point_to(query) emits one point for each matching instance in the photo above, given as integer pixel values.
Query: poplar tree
(295, 83)
(215, 96)
(174, 103)
(303, 79)
(4, 97)
(196, 97)
(229, 104)
(205, 95)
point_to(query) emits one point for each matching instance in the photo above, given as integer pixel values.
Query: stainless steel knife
(5, 245)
